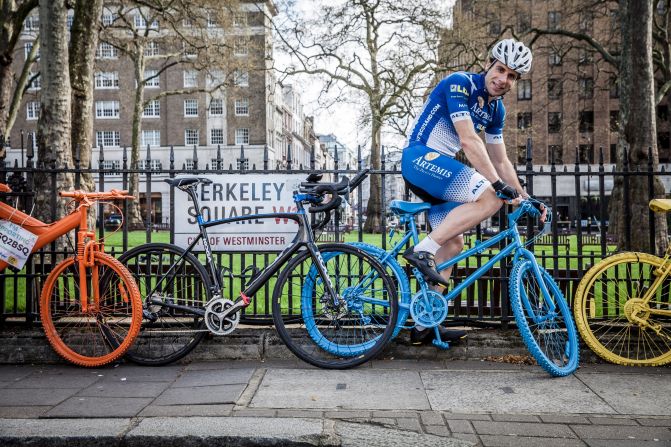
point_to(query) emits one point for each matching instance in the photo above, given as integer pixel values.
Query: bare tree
(382, 52)
(12, 15)
(83, 43)
(164, 36)
(54, 125)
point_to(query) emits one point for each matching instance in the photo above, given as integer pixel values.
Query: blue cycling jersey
(458, 97)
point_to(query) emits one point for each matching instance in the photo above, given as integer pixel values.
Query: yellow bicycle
(623, 306)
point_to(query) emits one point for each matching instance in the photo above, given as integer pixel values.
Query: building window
(240, 19)
(586, 122)
(107, 109)
(106, 79)
(190, 107)
(216, 107)
(585, 56)
(554, 122)
(106, 51)
(241, 78)
(216, 136)
(108, 138)
(613, 153)
(108, 18)
(242, 107)
(554, 88)
(586, 154)
(212, 19)
(141, 22)
(32, 23)
(524, 120)
(152, 109)
(110, 165)
(614, 124)
(521, 154)
(614, 88)
(190, 78)
(586, 20)
(152, 49)
(663, 140)
(189, 164)
(663, 112)
(36, 83)
(33, 110)
(217, 164)
(241, 46)
(242, 136)
(556, 154)
(554, 20)
(494, 27)
(215, 78)
(555, 59)
(586, 88)
(153, 165)
(151, 138)
(524, 89)
(152, 80)
(191, 137)
(242, 164)
(523, 23)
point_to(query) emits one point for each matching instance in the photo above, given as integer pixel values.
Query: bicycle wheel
(167, 334)
(612, 317)
(328, 335)
(107, 328)
(544, 321)
(397, 275)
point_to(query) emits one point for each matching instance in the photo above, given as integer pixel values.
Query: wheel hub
(635, 309)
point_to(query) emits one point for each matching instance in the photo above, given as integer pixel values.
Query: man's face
(499, 79)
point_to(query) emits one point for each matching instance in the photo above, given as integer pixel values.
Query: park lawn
(262, 304)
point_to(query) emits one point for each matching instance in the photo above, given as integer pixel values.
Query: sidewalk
(385, 403)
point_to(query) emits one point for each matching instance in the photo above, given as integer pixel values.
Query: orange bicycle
(90, 306)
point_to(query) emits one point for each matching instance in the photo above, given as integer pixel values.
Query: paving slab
(13, 397)
(363, 434)
(510, 392)
(186, 410)
(222, 431)
(218, 394)
(527, 441)
(75, 379)
(351, 389)
(639, 394)
(26, 412)
(626, 443)
(623, 432)
(12, 373)
(93, 431)
(135, 373)
(99, 407)
(124, 389)
(213, 377)
(523, 429)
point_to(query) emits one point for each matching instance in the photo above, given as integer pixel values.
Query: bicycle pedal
(147, 315)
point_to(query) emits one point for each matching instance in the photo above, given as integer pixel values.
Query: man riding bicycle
(458, 108)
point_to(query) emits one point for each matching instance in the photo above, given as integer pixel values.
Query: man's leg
(449, 250)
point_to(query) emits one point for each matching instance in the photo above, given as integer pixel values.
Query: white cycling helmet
(515, 55)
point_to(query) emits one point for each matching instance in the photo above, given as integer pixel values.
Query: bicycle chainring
(215, 320)
(428, 308)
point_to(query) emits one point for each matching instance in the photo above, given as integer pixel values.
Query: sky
(340, 119)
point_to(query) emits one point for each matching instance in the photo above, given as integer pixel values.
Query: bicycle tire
(398, 276)
(103, 333)
(335, 338)
(602, 308)
(173, 334)
(552, 342)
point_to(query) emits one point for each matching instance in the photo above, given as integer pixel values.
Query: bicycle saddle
(184, 182)
(660, 205)
(400, 207)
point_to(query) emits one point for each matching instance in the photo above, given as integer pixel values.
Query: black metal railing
(580, 234)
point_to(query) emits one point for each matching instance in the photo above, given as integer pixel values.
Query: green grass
(567, 258)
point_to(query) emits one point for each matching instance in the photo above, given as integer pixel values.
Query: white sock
(420, 328)
(427, 244)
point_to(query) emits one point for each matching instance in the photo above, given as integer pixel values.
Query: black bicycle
(333, 305)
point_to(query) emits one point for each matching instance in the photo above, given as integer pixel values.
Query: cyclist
(459, 107)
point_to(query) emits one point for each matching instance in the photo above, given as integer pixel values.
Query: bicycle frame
(515, 245)
(304, 239)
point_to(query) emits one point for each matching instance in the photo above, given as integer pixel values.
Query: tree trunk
(374, 210)
(134, 216)
(83, 40)
(638, 134)
(54, 125)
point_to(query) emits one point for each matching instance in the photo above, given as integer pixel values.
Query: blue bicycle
(542, 315)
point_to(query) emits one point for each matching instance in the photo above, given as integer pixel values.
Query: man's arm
(504, 168)
(476, 152)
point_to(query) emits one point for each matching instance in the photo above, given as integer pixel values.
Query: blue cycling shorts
(441, 180)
